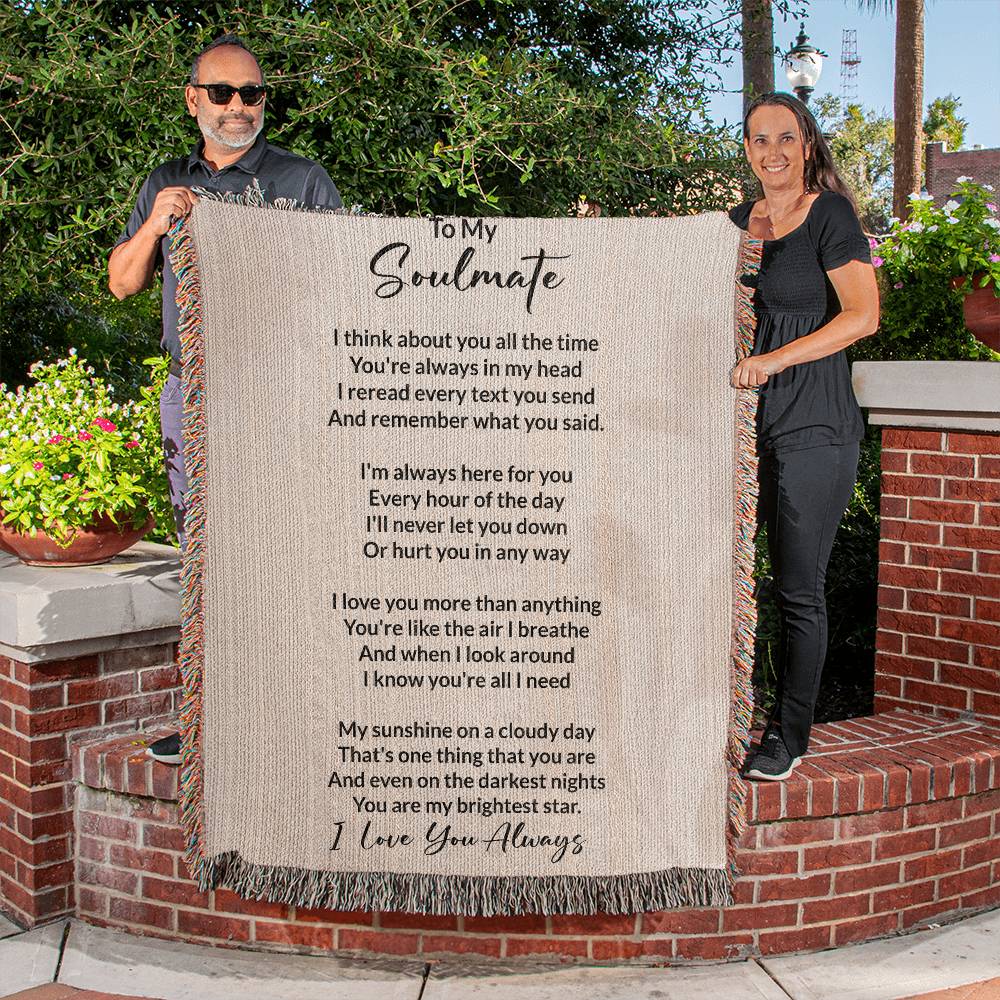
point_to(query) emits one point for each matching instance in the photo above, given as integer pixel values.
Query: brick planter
(893, 822)
(78, 660)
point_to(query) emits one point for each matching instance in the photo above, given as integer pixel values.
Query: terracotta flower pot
(981, 309)
(102, 541)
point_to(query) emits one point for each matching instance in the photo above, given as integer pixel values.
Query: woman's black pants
(803, 495)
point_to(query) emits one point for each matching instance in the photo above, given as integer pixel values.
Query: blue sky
(961, 57)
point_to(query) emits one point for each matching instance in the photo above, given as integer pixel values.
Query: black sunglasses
(221, 93)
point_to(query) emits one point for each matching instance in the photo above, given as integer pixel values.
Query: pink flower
(132, 444)
(67, 475)
(85, 435)
(104, 425)
(877, 262)
(991, 206)
(85, 493)
(872, 242)
(37, 465)
(994, 257)
(898, 284)
(55, 439)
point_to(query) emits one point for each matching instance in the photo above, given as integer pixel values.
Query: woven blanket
(467, 623)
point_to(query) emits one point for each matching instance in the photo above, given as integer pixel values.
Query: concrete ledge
(961, 395)
(60, 612)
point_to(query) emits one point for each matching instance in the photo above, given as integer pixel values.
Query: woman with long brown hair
(815, 295)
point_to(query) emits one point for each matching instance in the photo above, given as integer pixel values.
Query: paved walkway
(74, 961)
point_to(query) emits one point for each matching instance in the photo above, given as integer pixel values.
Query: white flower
(5, 468)
(916, 227)
(894, 220)
(54, 479)
(72, 352)
(992, 223)
(989, 187)
(951, 205)
(962, 179)
(951, 219)
(932, 229)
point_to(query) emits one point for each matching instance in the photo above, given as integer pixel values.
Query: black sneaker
(167, 750)
(771, 761)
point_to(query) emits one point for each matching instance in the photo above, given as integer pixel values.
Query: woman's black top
(812, 403)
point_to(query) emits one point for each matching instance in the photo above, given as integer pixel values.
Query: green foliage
(943, 124)
(862, 146)
(70, 452)
(491, 108)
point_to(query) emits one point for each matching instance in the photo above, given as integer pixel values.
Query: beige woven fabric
(647, 522)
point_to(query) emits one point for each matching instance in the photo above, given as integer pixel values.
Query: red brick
(739, 918)
(891, 597)
(972, 489)
(902, 621)
(528, 923)
(317, 916)
(980, 633)
(393, 944)
(767, 862)
(799, 831)
(892, 506)
(131, 911)
(988, 610)
(866, 824)
(964, 881)
(140, 707)
(54, 670)
(989, 897)
(964, 832)
(863, 930)
(912, 842)
(939, 604)
(988, 658)
(888, 642)
(819, 911)
(297, 935)
(600, 923)
(928, 911)
(159, 678)
(976, 854)
(91, 901)
(229, 902)
(766, 800)
(52, 825)
(942, 465)
(937, 649)
(48, 877)
(856, 879)
(418, 921)
(683, 921)
(936, 694)
(947, 512)
(897, 485)
(910, 531)
(89, 873)
(989, 468)
(174, 891)
(137, 657)
(732, 946)
(208, 925)
(974, 444)
(904, 666)
(787, 942)
(910, 577)
(970, 583)
(612, 950)
(973, 538)
(165, 838)
(60, 720)
(893, 461)
(543, 946)
(99, 688)
(34, 697)
(989, 562)
(989, 515)
(803, 887)
(837, 855)
(903, 896)
(111, 827)
(891, 552)
(906, 439)
(921, 555)
(931, 865)
(981, 680)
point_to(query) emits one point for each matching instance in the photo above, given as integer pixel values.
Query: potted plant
(79, 472)
(959, 242)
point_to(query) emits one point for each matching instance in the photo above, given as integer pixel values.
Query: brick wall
(891, 822)
(938, 644)
(944, 168)
(45, 709)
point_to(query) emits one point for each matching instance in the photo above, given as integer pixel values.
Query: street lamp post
(803, 64)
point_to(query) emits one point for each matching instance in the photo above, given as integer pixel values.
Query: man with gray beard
(226, 94)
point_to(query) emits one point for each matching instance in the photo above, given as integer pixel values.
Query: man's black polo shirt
(280, 174)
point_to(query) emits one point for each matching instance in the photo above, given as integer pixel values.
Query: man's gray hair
(235, 41)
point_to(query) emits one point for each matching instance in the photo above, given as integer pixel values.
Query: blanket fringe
(444, 894)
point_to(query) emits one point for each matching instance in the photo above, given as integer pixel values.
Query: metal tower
(849, 63)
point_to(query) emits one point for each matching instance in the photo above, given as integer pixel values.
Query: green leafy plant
(961, 239)
(69, 452)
